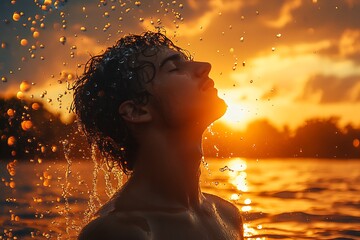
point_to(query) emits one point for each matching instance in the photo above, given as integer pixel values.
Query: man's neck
(167, 169)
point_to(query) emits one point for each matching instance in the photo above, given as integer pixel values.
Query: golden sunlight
(237, 174)
(237, 115)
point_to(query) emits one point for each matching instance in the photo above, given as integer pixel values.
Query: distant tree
(352, 141)
(37, 133)
(319, 138)
(264, 140)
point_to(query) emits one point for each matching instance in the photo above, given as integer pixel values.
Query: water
(279, 198)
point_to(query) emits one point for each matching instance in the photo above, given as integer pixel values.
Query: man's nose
(202, 69)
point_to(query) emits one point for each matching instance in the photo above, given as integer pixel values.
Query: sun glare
(237, 115)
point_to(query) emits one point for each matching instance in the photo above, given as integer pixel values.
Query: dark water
(279, 198)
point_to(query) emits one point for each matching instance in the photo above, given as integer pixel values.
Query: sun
(237, 115)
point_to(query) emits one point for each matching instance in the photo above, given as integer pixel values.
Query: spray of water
(111, 171)
(66, 187)
(94, 201)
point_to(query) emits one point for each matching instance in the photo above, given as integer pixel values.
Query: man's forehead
(160, 54)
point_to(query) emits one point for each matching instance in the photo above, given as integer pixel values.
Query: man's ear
(134, 113)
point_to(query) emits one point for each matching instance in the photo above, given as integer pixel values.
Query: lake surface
(279, 198)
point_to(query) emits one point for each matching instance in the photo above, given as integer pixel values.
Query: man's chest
(190, 226)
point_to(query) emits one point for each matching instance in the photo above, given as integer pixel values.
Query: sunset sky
(286, 61)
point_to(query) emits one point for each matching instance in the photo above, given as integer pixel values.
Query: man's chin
(218, 109)
(222, 108)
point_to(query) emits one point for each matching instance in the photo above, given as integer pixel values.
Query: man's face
(183, 94)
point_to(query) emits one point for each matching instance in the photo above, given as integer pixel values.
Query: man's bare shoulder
(226, 209)
(116, 226)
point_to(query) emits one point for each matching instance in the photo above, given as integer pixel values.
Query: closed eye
(174, 69)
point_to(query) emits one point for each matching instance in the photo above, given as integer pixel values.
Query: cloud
(200, 15)
(285, 15)
(332, 89)
(282, 77)
(349, 43)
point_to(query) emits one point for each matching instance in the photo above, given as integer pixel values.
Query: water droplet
(11, 140)
(53, 148)
(241, 39)
(137, 3)
(223, 169)
(10, 112)
(3, 79)
(25, 86)
(36, 34)
(26, 125)
(20, 95)
(243, 64)
(16, 16)
(231, 50)
(251, 81)
(23, 42)
(273, 49)
(62, 40)
(83, 29)
(278, 35)
(12, 185)
(35, 106)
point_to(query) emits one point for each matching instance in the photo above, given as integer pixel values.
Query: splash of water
(205, 163)
(109, 169)
(94, 201)
(66, 187)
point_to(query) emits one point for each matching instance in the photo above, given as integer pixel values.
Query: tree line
(28, 131)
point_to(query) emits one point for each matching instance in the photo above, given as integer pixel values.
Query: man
(145, 104)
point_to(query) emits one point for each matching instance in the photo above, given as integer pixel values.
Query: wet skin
(162, 198)
(216, 219)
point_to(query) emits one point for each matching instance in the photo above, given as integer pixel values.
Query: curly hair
(117, 75)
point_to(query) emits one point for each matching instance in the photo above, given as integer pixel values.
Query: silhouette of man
(145, 104)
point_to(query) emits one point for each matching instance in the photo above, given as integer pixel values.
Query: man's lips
(208, 83)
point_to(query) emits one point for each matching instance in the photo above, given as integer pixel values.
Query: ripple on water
(306, 218)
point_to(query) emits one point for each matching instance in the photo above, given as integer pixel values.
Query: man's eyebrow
(172, 57)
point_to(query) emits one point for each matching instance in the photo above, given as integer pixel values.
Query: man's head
(141, 75)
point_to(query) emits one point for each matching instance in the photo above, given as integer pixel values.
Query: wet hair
(109, 79)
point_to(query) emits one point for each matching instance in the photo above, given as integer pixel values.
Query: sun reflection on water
(237, 176)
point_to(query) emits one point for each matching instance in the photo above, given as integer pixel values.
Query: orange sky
(282, 60)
